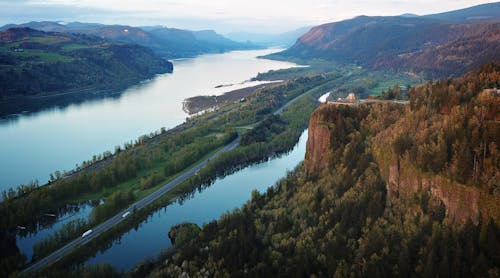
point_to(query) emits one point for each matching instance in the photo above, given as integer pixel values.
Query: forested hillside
(433, 46)
(38, 63)
(377, 196)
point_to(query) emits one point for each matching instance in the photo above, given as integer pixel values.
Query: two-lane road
(108, 224)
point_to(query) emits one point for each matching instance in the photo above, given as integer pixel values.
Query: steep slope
(428, 45)
(34, 62)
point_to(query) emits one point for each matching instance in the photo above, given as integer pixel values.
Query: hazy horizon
(224, 16)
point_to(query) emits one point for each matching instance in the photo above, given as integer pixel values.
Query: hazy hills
(168, 42)
(476, 13)
(34, 62)
(435, 45)
(48, 57)
(285, 39)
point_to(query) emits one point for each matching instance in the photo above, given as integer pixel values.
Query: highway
(108, 224)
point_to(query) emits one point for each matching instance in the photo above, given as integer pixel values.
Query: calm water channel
(34, 145)
(224, 195)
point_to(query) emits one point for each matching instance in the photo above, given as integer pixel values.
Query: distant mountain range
(285, 39)
(37, 63)
(435, 45)
(168, 42)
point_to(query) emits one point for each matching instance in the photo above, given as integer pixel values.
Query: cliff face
(318, 144)
(462, 203)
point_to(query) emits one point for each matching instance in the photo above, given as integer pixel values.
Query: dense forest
(38, 63)
(337, 221)
(453, 128)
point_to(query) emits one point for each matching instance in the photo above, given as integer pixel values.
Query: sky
(224, 16)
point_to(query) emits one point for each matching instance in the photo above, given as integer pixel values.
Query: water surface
(34, 145)
(224, 195)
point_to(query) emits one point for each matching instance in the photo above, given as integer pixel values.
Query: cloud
(222, 15)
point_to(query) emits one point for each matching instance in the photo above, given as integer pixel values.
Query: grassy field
(73, 46)
(44, 56)
(45, 40)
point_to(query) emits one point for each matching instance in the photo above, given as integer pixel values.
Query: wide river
(33, 145)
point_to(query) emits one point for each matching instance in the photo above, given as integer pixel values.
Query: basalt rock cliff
(443, 144)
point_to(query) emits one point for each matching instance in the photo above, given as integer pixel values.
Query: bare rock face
(462, 203)
(318, 144)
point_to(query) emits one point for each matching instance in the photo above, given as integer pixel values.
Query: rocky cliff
(403, 180)
(462, 203)
(318, 143)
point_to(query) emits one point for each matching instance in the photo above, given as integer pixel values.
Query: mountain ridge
(398, 43)
(168, 42)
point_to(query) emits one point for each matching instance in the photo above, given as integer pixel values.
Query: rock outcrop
(318, 144)
(462, 203)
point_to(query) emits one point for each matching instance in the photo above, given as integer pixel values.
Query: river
(223, 195)
(33, 145)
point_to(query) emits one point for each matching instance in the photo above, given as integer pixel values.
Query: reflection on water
(50, 223)
(12, 110)
(225, 194)
(33, 145)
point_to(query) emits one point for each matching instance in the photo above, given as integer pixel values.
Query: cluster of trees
(189, 155)
(19, 191)
(68, 231)
(271, 125)
(88, 271)
(392, 93)
(337, 224)
(452, 128)
(114, 203)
